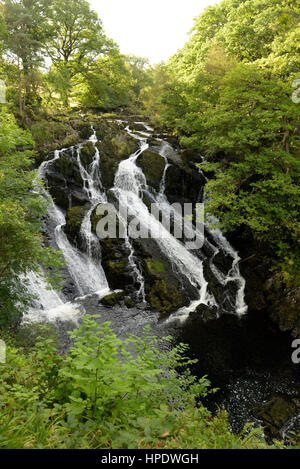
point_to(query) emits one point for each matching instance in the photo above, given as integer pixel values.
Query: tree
(229, 98)
(24, 41)
(77, 38)
(107, 84)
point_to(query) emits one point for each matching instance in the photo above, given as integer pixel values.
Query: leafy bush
(109, 393)
(21, 222)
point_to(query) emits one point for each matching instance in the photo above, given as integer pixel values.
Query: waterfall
(87, 275)
(162, 186)
(93, 188)
(130, 182)
(130, 185)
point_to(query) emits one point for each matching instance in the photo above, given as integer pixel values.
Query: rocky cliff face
(164, 290)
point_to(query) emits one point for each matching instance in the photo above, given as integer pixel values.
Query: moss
(112, 299)
(129, 303)
(275, 413)
(153, 166)
(285, 305)
(74, 219)
(155, 266)
(87, 153)
(117, 267)
(71, 140)
(165, 298)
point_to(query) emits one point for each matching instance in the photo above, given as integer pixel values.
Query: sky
(155, 29)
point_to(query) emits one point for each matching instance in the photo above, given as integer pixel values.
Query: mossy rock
(85, 130)
(66, 166)
(71, 140)
(275, 413)
(118, 273)
(74, 220)
(165, 298)
(114, 254)
(205, 313)
(111, 217)
(129, 302)
(153, 166)
(87, 154)
(113, 149)
(284, 305)
(58, 189)
(112, 299)
(162, 290)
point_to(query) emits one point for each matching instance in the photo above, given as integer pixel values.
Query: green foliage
(229, 97)
(84, 67)
(109, 393)
(20, 218)
(107, 84)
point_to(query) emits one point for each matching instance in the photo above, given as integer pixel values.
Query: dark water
(247, 358)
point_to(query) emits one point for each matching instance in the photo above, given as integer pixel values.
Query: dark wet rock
(112, 299)
(162, 289)
(183, 184)
(276, 412)
(67, 166)
(115, 255)
(223, 294)
(284, 305)
(74, 218)
(205, 313)
(223, 261)
(58, 188)
(87, 154)
(113, 149)
(153, 166)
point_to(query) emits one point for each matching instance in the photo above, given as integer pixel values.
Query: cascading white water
(85, 269)
(224, 246)
(48, 305)
(128, 186)
(87, 275)
(162, 186)
(93, 188)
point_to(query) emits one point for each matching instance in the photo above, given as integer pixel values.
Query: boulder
(112, 299)
(113, 149)
(74, 218)
(87, 154)
(276, 412)
(205, 313)
(115, 256)
(163, 291)
(153, 166)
